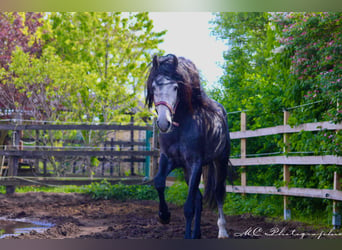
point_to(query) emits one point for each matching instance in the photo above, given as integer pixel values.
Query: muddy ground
(77, 216)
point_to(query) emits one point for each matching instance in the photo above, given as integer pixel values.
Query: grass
(47, 189)
(97, 190)
(105, 190)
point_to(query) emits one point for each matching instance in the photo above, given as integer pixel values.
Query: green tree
(256, 73)
(283, 60)
(115, 49)
(17, 29)
(91, 68)
(314, 41)
(104, 56)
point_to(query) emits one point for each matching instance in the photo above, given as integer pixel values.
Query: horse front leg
(193, 204)
(165, 168)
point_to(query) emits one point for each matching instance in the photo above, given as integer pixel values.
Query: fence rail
(285, 129)
(109, 152)
(334, 194)
(57, 181)
(301, 192)
(286, 161)
(289, 160)
(64, 153)
(72, 127)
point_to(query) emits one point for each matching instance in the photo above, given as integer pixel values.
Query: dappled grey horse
(194, 136)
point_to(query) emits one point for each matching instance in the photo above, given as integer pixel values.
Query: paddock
(77, 216)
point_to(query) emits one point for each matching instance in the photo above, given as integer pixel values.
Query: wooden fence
(334, 194)
(14, 153)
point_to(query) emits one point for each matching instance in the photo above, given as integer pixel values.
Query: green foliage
(314, 41)
(302, 209)
(115, 49)
(105, 190)
(179, 174)
(275, 61)
(254, 73)
(264, 175)
(84, 67)
(177, 193)
(92, 65)
(262, 205)
(49, 189)
(47, 81)
(305, 209)
(318, 143)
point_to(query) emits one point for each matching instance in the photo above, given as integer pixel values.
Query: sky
(188, 35)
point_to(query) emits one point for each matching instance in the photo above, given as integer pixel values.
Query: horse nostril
(163, 125)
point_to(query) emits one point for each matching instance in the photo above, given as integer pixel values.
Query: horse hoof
(197, 236)
(223, 236)
(164, 218)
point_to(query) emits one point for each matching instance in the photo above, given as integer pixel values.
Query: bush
(262, 205)
(105, 190)
(177, 193)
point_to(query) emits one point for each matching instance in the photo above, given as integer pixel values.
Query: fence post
(243, 149)
(14, 160)
(148, 158)
(44, 144)
(36, 161)
(286, 170)
(336, 219)
(154, 167)
(104, 158)
(74, 168)
(111, 165)
(45, 167)
(132, 146)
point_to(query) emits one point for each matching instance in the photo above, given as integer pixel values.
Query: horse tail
(232, 173)
(215, 176)
(209, 197)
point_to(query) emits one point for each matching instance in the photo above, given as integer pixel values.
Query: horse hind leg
(221, 174)
(196, 234)
(221, 223)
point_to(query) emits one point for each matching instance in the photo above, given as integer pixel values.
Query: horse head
(163, 88)
(172, 82)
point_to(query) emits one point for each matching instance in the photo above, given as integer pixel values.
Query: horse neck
(182, 112)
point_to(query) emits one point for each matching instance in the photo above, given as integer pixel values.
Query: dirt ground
(77, 216)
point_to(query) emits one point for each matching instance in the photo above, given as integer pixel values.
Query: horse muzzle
(165, 114)
(164, 121)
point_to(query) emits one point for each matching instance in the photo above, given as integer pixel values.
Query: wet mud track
(77, 216)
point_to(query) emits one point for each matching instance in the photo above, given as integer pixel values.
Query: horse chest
(181, 146)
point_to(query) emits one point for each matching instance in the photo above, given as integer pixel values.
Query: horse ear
(155, 61)
(175, 62)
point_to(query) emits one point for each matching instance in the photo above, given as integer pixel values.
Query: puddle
(12, 227)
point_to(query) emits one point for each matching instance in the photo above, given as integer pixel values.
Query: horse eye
(175, 88)
(153, 88)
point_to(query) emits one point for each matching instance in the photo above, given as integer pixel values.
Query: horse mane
(184, 71)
